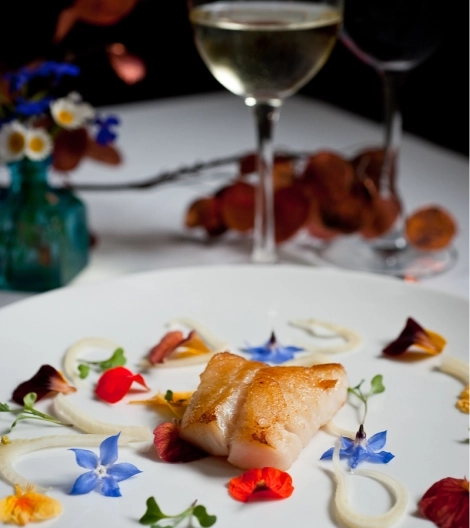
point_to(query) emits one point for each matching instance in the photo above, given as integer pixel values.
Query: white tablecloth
(143, 229)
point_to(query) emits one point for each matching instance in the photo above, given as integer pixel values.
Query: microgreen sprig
(376, 387)
(154, 515)
(118, 359)
(28, 412)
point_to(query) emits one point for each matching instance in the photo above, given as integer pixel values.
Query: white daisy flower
(70, 112)
(38, 144)
(12, 141)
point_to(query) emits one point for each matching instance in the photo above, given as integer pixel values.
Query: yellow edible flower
(463, 401)
(28, 506)
(5, 440)
(177, 403)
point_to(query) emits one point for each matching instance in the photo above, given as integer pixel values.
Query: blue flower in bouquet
(32, 108)
(104, 473)
(361, 449)
(272, 351)
(57, 70)
(106, 134)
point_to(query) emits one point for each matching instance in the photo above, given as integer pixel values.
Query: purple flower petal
(377, 441)
(85, 458)
(109, 487)
(85, 483)
(109, 450)
(120, 472)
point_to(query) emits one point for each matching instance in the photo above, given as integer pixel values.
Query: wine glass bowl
(264, 51)
(393, 37)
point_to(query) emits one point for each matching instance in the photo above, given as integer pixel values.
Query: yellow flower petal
(437, 343)
(28, 506)
(177, 405)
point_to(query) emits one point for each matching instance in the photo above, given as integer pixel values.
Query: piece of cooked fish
(259, 415)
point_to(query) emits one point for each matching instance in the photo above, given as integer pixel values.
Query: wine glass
(393, 37)
(265, 51)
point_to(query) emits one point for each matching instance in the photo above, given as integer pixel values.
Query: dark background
(436, 98)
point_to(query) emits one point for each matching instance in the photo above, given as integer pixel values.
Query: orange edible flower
(463, 403)
(47, 380)
(446, 503)
(265, 483)
(174, 344)
(177, 404)
(28, 506)
(414, 335)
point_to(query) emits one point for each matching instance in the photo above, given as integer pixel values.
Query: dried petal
(128, 67)
(238, 206)
(414, 335)
(463, 403)
(115, 383)
(171, 447)
(47, 380)
(165, 346)
(70, 147)
(445, 503)
(257, 483)
(430, 228)
(177, 404)
(28, 506)
(291, 210)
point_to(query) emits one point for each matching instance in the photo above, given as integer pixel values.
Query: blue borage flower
(106, 133)
(272, 351)
(104, 473)
(360, 449)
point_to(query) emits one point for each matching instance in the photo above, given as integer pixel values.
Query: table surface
(140, 230)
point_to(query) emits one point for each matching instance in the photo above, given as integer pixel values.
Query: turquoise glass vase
(44, 237)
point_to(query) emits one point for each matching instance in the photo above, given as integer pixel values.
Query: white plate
(426, 432)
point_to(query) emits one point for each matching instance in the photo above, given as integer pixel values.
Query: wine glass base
(354, 253)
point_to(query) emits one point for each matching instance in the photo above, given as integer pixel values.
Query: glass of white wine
(265, 51)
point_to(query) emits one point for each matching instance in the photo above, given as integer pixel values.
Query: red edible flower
(47, 380)
(446, 503)
(265, 483)
(171, 447)
(115, 383)
(415, 335)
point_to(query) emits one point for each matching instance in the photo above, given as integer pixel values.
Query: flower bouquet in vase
(44, 236)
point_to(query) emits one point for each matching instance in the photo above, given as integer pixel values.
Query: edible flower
(414, 335)
(171, 447)
(28, 506)
(115, 383)
(154, 514)
(177, 402)
(445, 503)
(104, 473)
(174, 344)
(257, 483)
(272, 351)
(463, 401)
(46, 381)
(361, 449)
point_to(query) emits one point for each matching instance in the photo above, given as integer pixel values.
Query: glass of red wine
(393, 37)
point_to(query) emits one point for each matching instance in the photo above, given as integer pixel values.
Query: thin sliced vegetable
(353, 519)
(333, 429)
(455, 367)
(350, 337)
(10, 452)
(66, 410)
(75, 352)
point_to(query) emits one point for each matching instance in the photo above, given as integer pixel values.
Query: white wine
(265, 50)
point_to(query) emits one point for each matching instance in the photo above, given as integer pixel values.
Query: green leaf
(84, 370)
(203, 517)
(29, 400)
(357, 387)
(116, 360)
(153, 513)
(169, 396)
(376, 385)
(4, 407)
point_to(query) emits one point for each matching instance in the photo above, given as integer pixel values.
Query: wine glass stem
(264, 244)
(392, 85)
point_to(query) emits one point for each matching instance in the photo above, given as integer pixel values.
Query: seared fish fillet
(258, 415)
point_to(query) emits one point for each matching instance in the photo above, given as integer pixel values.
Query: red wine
(391, 34)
